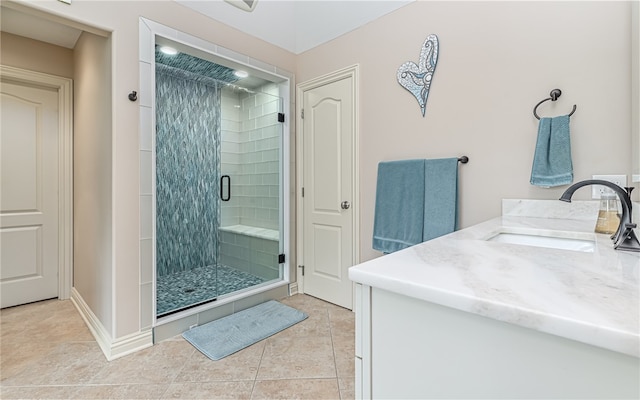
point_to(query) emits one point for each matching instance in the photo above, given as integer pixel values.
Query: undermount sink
(575, 241)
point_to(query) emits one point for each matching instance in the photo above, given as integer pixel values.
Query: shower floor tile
(198, 285)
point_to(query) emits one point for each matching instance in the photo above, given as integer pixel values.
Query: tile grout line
(255, 379)
(173, 381)
(333, 349)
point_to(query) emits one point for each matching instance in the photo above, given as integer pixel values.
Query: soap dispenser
(608, 218)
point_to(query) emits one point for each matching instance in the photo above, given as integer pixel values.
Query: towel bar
(555, 93)
(463, 159)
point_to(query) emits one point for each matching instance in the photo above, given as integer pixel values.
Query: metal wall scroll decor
(417, 78)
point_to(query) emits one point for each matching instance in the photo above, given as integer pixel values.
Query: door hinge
(302, 192)
(301, 266)
(280, 258)
(280, 117)
(302, 113)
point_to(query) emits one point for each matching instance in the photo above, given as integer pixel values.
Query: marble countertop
(590, 297)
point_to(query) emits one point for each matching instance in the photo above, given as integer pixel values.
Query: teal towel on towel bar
(552, 164)
(440, 197)
(416, 200)
(399, 213)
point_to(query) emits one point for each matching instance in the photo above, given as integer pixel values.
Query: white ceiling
(297, 25)
(294, 25)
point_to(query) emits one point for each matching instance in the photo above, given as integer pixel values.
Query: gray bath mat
(220, 338)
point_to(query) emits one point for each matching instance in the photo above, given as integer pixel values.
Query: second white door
(328, 133)
(29, 193)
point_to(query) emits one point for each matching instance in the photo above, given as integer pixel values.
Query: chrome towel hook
(555, 93)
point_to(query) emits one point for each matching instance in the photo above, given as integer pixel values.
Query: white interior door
(328, 133)
(28, 193)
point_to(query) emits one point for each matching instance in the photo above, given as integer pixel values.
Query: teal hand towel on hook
(552, 164)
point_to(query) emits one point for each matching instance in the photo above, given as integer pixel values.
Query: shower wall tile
(270, 107)
(230, 169)
(266, 120)
(262, 65)
(146, 173)
(256, 134)
(231, 147)
(248, 124)
(146, 216)
(270, 203)
(146, 128)
(215, 313)
(254, 112)
(247, 103)
(266, 273)
(145, 82)
(247, 302)
(228, 125)
(233, 136)
(248, 147)
(145, 37)
(146, 261)
(271, 179)
(187, 172)
(173, 328)
(248, 168)
(146, 305)
(230, 158)
(274, 191)
(262, 191)
(233, 55)
(198, 43)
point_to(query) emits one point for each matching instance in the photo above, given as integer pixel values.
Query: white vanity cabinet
(408, 348)
(463, 316)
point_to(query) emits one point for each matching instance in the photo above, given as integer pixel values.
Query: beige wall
(21, 52)
(496, 61)
(92, 197)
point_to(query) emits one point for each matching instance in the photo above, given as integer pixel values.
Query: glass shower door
(251, 214)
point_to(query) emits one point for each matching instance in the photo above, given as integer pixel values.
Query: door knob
(345, 205)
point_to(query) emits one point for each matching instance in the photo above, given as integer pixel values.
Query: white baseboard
(112, 349)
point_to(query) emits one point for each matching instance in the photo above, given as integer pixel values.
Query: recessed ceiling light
(241, 74)
(168, 50)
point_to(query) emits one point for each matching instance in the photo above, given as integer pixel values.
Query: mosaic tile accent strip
(183, 289)
(187, 173)
(197, 66)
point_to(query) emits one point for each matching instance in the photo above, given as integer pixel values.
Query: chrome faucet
(625, 237)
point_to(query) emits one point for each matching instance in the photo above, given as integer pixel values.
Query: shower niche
(219, 157)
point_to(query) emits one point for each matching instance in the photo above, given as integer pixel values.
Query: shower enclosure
(218, 181)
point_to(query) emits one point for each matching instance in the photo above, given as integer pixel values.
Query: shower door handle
(224, 178)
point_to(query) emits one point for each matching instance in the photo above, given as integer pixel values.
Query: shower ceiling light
(246, 5)
(168, 50)
(241, 74)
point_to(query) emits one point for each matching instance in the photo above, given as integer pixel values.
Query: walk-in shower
(218, 180)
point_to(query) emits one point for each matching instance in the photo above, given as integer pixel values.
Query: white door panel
(327, 262)
(29, 194)
(328, 168)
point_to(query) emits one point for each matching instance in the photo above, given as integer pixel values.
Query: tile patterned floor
(47, 352)
(194, 286)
